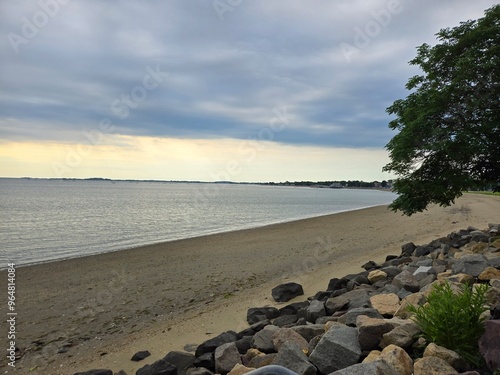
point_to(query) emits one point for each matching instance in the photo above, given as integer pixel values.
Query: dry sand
(97, 311)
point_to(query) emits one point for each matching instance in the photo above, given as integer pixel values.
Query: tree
(449, 132)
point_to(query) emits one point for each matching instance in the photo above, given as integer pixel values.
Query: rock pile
(360, 324)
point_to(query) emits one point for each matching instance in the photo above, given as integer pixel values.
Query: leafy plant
(453, 319)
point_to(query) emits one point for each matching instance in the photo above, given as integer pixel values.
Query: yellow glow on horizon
(128, 157)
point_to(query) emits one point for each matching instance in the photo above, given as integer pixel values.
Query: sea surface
(46, 220)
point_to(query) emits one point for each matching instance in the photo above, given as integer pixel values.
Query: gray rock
(181, 360)
(210, 345)
(371, 331)
(421, 251)
(407, 281)
(472, 265)
(338, 348)
(426, 280)
(96, 372)
(349, 300)
(263, 339)
(308, 332)
(315, 310)
(286, 292)
(199, 371)
(371, 368)
(293, 358)
(349, 318)
(479, 236)
(407, 249)
(402, 336)
(226, 357)
(257, 314)
(285, 320)
(244, 344)
(205, 360)
(160, 367)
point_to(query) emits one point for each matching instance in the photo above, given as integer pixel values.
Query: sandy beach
(97, 311)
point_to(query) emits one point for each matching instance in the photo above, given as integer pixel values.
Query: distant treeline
(336, 184)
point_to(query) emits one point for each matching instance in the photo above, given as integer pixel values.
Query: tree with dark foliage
(449, 125)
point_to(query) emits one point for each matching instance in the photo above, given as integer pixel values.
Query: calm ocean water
(43, 220)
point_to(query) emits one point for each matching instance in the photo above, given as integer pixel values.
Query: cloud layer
(317, 73)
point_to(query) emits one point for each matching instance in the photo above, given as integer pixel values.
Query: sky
(211, 90)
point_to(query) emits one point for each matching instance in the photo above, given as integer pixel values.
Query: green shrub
(453, 319)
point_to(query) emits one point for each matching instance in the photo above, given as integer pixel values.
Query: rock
(262, 360)
(139, 356)
(407, 249)
(285, 320)
(253, 329)
(433, 366)
(286, 292)
(240, 370)
(205, 360)
(263, 339)
(160, 367)
(489, 344)
(472, 265)
(385, 304)
(244, 344)
(370, 265)
(376, 275)
(250, 354)
(336, 303)
(426, 281)
(96, 372)
(402, 336)
(337, 284)
(495, 312)
(293, 308)
(371, 331)
(199, 371)
(451, 357)
(479, 236)
(308, 332)
(352, 299)
(315, 310)
(421, 251)
(349, 318)
(210, 345)
(367, 368)
(407, 281)
(372, 356)
(286, 335)
(461, 278)
(415, 299)
(226, 357)
(293, 358)
(398, 359)
(489, 273)
(337, 349)
(257, 314)
(181, 360)
(422, 269)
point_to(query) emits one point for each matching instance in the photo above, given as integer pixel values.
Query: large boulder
(226, 357)
(371, 331)
(433, 366)
(293, 358)
(386, 304)
(402, 336)
(210, 345)
(406, 280)
(349, 318)
(472, 265)
(286, 292)
(258, 314)
(453, 359)
(263, 339)
(338, 348)
(315, 310)
(284, 335)
(160, 367)
(398, 359)
(181, 360)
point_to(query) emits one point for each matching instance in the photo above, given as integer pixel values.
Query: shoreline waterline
(200, 236)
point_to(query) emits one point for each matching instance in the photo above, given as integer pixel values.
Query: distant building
(336, 185)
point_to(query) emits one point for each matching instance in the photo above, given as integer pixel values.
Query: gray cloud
(224, 76)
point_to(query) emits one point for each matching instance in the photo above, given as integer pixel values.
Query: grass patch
(453, 320)
(484, 193)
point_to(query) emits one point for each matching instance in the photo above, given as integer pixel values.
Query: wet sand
(97, 311)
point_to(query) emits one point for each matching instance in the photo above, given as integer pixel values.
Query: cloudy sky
(242, 90)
